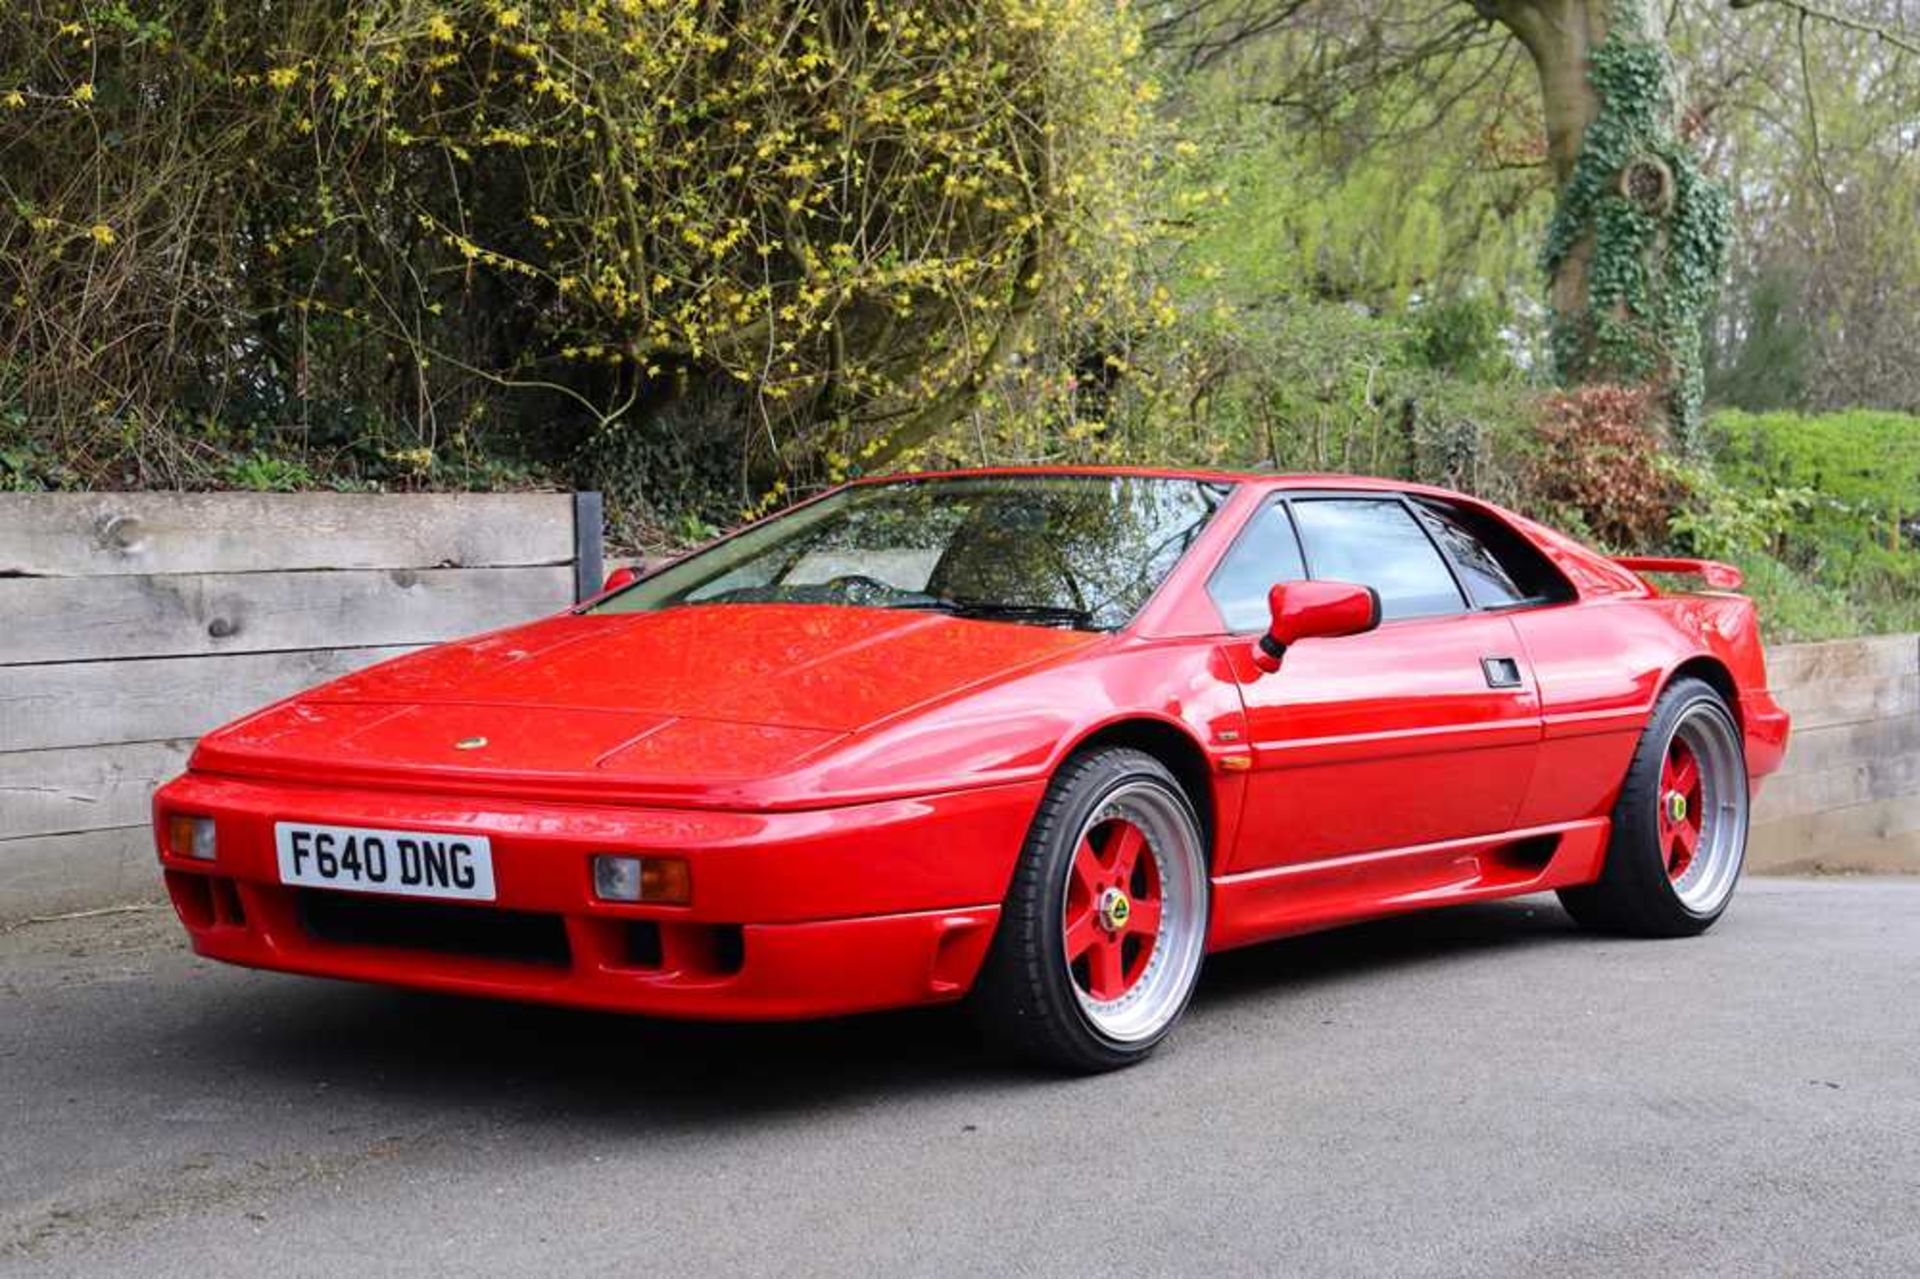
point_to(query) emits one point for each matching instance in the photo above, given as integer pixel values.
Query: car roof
(1590, 573)
(1262, 479)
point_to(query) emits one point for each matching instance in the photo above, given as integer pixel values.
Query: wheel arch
(1715, 673)
(1173, 746)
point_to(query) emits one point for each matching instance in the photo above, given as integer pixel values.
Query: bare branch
(1899, 39)
(1813, 115)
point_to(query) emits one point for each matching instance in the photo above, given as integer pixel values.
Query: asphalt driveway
(1484, 1090)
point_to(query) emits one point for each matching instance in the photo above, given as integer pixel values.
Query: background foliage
(707, 256)
(687, 250)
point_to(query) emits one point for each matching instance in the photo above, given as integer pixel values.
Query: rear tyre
(1100, 940)
(1679, 826)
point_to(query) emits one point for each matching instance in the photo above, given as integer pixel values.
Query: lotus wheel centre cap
(1114, 910)
(1676, 806)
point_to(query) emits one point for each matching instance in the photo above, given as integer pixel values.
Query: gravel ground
(1483, 1090)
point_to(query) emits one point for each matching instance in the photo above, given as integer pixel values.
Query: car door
(1422, 731)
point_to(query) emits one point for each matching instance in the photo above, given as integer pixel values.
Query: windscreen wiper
(1060, 614)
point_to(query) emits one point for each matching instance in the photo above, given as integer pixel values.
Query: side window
(1375, 542)
(1500, 567)
(1265, 552)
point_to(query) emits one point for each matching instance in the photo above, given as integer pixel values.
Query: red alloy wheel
(1681, 809)
(1113, 910)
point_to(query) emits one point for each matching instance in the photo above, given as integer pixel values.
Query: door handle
(1501, 672)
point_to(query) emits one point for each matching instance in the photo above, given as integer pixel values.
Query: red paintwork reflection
(851, 787)
(795, 665)
(1721, 577)
(1385, 740)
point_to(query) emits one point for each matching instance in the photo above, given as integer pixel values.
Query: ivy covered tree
(1639, 235)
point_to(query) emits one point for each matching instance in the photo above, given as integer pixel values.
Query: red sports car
(1043, 738)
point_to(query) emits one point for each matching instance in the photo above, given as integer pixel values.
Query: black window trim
(1413, 502)
(1286, 497)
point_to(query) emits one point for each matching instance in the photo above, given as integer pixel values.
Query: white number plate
(402, 862)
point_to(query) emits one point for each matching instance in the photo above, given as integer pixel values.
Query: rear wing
(1718, 576)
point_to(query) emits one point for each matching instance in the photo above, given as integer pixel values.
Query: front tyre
(1100, 940)
(1679, 826)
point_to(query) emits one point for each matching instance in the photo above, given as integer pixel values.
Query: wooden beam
(1860, 781)
(111, 534)
(47, 874)
(83, 788)
(149, 699)
(1877, 836)
(54, 619)
(1818, 749)
(1874, 657)
(1822, 703)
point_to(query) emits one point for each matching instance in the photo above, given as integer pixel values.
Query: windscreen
(1057, 550)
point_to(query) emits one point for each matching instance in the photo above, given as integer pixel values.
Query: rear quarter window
(1499, 566)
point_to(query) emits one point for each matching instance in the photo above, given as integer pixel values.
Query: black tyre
(1100, 941)
(1679, 826)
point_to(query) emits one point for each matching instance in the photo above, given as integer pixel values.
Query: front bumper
(798, 914)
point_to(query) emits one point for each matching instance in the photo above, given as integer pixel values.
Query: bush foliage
(707, 256)
(1827, 507)
(726, 243)
(1597, 466)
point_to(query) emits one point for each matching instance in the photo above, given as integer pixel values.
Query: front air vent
(391, 923)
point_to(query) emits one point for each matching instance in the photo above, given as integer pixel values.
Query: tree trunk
(1560, 36)
(1637, 242)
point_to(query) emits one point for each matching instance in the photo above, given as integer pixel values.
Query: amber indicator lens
(191, 837)
(666, 880)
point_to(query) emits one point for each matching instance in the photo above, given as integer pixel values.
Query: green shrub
(264, 473)
(1721, 521)
(1821, 513)
(1867, 461)
(1795, 606)
(1462, 336)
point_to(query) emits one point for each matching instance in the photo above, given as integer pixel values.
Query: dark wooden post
(589, 528)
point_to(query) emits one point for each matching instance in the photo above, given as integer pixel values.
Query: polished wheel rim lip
(1164, 912)
(1702, 808)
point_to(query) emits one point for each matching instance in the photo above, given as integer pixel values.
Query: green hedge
(1840, 551)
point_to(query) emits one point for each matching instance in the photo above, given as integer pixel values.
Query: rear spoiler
(1721, 577)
